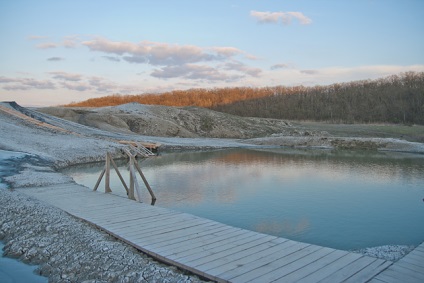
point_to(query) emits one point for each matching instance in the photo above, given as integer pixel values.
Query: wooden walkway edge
(220, 252)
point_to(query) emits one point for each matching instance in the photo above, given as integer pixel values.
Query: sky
(56, 52)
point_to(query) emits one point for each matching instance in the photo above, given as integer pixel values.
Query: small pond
(339, 199)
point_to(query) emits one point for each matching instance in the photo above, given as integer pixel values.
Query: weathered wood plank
(369, 272)
(186, 240)
(349, 270)
(238, 258)
(286, 269)
(217, 247)
(300, 273)
(199, 245)
(158, 236)
(253, 262)
(258, 274)
(216, 259)
(330, 268)
(391, 275)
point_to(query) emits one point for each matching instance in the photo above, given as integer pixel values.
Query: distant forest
(394, 99)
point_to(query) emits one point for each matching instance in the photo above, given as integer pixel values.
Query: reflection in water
(285, 226)
(339, 199)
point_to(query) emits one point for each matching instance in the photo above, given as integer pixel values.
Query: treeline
(395, 99)
(206, 98)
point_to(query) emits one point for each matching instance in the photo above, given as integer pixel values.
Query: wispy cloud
(55, 59)
(194, 72)
(112, 58)
(47, 45)
(280, 66)
(66, 76)
(37, 37)
(285, 18)
(240, 67)
(25, 83)
(309, 72)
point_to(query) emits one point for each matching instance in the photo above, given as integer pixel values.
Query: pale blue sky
(55, 52)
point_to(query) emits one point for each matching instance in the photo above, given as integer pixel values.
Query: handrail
(134, 186)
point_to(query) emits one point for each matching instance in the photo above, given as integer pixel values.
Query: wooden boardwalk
(217, 251)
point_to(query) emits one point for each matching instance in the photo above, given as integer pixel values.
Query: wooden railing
(133, 191)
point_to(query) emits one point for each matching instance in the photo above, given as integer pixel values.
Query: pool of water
(340, 199)
(14, 271)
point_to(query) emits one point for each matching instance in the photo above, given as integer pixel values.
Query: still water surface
(339, 199)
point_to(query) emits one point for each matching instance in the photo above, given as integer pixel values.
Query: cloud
(178, 61)
(70, 41)
(112, 58)
(37, 37)
(194, 72)
(240, 67)
(78, 86)
(47, 45)
(64, 80)
(55, 59)
(286, 18)
(66, 76)
(280, 66)
(25, 83)
(161, 54)
(309, 72)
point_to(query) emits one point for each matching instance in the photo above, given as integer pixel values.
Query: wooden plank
(237, 261)
(350, 270)
(286, 269)
(307, 269)
(330, 268)
(407, 272)
(215, 259)
(236, 258)
(198, 245)
(171, 223)
(369, 272)
(217, 247)
(183, 237)
(415, 259)
(253, 262)
(412, 267)
(391, 275)
(191, 237)
(154, 236)
(255, 275)
(151, 236)
(145, 220)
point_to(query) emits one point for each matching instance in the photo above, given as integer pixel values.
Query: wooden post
(107, 180)
(100, 178)
(131, 192)
(134, 181)
(117, 172)
(145, 181)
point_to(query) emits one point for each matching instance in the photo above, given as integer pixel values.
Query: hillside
(394, 99)
(164, 121)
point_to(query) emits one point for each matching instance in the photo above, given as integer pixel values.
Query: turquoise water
(14, 271)
(340, 199)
